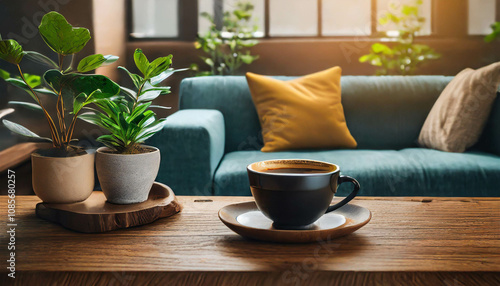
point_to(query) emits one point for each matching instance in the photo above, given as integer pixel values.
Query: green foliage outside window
(227, 49)
(404, 56)
(494, 33)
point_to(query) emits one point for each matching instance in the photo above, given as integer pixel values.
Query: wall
(110, 34)
(300, 57)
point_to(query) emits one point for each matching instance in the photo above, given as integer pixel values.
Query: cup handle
(343, 179)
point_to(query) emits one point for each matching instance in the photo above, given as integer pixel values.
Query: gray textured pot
(63, 179)
(127, 179)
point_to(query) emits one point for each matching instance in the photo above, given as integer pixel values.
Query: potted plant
(64, 173)
(125, 167)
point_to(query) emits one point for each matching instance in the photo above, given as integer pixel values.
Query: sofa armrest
(191, 145)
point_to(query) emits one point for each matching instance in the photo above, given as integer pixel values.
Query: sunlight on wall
(110, 33)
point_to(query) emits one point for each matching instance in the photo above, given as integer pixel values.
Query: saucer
(246, 220)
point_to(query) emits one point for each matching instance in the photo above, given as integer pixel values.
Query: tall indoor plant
(125, 167)
(64, 173)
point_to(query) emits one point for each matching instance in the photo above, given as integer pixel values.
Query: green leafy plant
(128, 117)
(404, 57)
(227, 49)
(495, 33)
(72, 91)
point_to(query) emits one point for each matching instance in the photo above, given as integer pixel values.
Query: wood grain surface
(95, 214)
(409, 241)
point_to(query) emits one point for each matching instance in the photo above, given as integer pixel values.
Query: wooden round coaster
(96, 215)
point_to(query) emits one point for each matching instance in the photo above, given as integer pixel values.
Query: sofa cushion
(408, 172)
(383, 112)
(304, 113)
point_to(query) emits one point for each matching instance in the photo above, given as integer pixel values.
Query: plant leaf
(4, 74)
(94, 61)
(11, 51)
(109, 141)
(381, 48)
(33, 80)
(136, 79)
(21, 130)
(20, 84)
(41, 59)
(29, 105)
(91, 63)
(79, 102)
(162, 76)
(166, 74)
(139, 110)
(128, 92)
(159, 106)
(45, 91)
(78, 83)
(91, 117)
(141, 61)
(158, 66)
(248, 59)
(60, 36)
(149, 95)
(151, 130)
(110, 59)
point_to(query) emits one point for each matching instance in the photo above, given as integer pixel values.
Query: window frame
(188, 23)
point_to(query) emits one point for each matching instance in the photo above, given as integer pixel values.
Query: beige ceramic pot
(63, 179)
(127, 178)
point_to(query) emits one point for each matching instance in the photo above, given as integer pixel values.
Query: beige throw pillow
(459, 115)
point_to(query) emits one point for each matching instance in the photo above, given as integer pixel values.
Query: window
(154, 19)
(293, 18)
(353, 19)
(318, 18)
(482, 14)
(180, 19)
(214, 7)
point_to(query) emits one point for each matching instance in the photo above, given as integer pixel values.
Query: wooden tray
(96, 215)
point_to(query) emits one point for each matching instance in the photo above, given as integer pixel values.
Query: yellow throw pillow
(304, 113)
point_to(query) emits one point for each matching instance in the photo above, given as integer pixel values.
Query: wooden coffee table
(409, 241)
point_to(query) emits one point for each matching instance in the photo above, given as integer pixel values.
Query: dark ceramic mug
(295, 200)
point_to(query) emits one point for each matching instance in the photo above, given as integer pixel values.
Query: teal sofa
(207, 144)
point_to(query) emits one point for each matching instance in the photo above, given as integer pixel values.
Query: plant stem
(138, 94)
(71, 128)
(59, 116)
(61, 61)
(53, 129)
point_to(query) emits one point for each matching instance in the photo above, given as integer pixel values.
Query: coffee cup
(294, 193)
